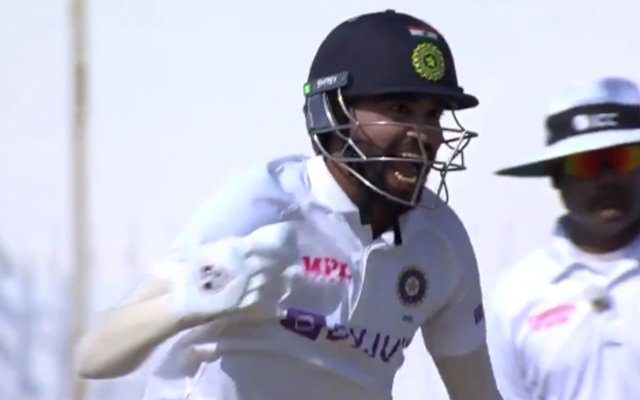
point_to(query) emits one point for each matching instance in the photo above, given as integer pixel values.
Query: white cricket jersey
(563, 325)
(350, 313)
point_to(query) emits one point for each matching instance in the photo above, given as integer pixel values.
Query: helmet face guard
(324, 95)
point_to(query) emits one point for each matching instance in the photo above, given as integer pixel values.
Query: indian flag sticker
(418, 31)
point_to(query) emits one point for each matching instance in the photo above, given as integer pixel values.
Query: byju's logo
(378, 345)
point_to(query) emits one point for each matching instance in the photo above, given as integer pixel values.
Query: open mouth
(610, 214)
(408, 172)
(611, 205)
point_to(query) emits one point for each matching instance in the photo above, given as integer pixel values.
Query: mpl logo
(326, 268)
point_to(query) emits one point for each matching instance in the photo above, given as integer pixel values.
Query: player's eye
(400, 109)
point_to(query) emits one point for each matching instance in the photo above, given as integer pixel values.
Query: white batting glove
(245, 276)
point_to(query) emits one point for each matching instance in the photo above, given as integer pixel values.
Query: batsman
(308, 277)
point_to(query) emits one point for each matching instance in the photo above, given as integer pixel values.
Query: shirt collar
(325, 190)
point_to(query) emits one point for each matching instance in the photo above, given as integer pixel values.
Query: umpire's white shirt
(350, 315)
(564, 325)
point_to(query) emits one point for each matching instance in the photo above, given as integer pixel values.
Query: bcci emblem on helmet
(412, 286)
(428, 61)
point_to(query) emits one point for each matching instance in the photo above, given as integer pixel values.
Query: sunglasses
(618, 160)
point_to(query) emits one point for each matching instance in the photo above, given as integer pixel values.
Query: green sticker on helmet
(307, 89)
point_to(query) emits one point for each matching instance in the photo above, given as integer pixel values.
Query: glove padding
(240, 276)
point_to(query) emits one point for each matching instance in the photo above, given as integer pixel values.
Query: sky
(185, 94)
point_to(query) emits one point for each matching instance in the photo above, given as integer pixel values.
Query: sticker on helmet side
(428, 61)
(326, 83)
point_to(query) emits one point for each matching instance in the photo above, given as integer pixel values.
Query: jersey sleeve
(236, 209)
(458, 327)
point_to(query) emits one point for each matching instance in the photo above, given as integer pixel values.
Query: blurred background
(117, 120)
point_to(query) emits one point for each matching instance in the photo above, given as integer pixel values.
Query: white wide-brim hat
(589, 116)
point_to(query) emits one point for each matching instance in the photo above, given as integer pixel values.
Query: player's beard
(375, 173)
